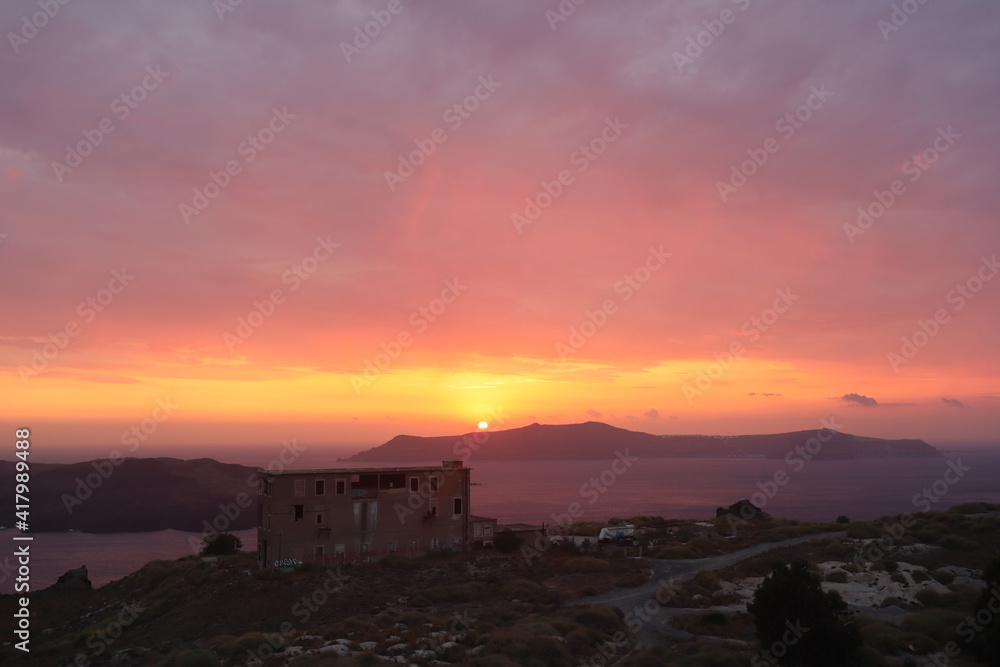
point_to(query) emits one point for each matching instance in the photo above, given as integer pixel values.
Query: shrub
(943, 576)
(863, 531)
(710, 655)
(938, 624)
(958, 543)
(221, 544)
(836, 577)
(929, 598)
(899, 578)
(713, 618)
(586, 564)
(197, 658)
(398, 562)
(522, 589)
(251, 641)
(837, 550)
(524, 646)
(506, 541)
(793, 594)
(598, 616)
(580, 640)
(703, 545)
(467, 592)
(708, 579)
(883, 637)
(675, 551)
(843, 519)
(970, 508)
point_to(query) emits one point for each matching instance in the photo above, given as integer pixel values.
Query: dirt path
(653, 620)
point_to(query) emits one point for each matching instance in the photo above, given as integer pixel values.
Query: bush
(507, 541)
(863, 531)
(703, 545)
(713, 618)
(398, 562)
(525, 645)
(586, 564)
(197, 658)
(467, 592)
(971, 508)
(793, 595)
(836, 577)
(708, 579)
(600, 616)
(938, 624)
(675, 551)
(987, 643)
(893, 601)
(251, 641)
(843, 519)
(883, 637)
(957, 543)
(221, 544)
(710, 655)
(929, 598)
(943, 576)
(522, 589)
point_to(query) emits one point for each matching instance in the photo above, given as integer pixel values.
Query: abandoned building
(349, 514)
(483, 531)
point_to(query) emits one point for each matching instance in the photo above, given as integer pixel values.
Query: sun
(483, 425)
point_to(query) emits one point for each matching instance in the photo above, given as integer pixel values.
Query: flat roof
(327, 471)
(517, 526)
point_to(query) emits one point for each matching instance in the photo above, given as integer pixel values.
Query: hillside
(595, 440)
(135, 495)
(573, 602)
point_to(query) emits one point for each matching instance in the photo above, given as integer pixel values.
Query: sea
(595, 490)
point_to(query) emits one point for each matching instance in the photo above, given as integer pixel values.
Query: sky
(232, 224)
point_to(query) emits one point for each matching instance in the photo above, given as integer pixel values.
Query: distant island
(151, 494)
(134, 495)
(596, 440)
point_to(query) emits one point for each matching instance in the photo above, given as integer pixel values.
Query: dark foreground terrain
(683, 603)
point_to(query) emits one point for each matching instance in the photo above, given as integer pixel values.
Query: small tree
(799, 624)
(843, 519)
(987, 642)
(507, 541)
(221, 544)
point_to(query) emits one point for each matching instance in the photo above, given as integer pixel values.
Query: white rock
(445, 646)
(368, 646)
(335, 649)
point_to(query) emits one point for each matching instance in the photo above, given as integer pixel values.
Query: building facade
(350, 514)
(483, 531)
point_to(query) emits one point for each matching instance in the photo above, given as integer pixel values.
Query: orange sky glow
(275, 237)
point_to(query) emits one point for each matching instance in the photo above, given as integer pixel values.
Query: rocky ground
(560, 607)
